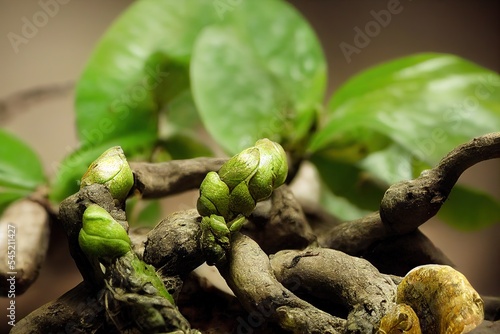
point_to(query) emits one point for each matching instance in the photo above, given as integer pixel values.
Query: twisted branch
(336, 277)
(408, 204)
(249, 273)
(250, 276)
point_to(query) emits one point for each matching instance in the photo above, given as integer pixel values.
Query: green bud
(241, 201)
(239, 168)
(236, 224)
(214, 196)
(219, 229)
(245, 179)
(101, 236)
(214, 238)
(272, 170)
(112, 170)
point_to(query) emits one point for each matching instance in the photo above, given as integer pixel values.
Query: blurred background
(57, 52)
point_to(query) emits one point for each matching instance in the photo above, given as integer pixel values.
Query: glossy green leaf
(138, 68)
(139, 65)
(347, 180)
(470, 209)
(426, 103)
(181, 112)
(340, 207)
(260, 74)
(185, 147)
(143, 212)
(389, 165)
(20, 167)
(21, 171)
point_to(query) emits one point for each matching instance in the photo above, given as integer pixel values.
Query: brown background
(58, 52)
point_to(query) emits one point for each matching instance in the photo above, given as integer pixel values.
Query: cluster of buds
(230, 195)
(245, 179)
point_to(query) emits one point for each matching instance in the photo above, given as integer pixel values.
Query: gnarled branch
(154, 180)
(339, 278)
(409, 204)
(250, 276)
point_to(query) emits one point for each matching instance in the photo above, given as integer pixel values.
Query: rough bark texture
(398, 255)
(280, 223)
(407, 205)
(154, 180)
(332, 275)
(173, 245)
(77, 311)
(356, 236)
(70, 215)
(250, 276)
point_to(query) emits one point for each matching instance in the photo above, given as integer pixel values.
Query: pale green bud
(241, 201)
(245, 179)
(214, 196)
(272, 170)
(214, 238)
(239, 168)
(101, 236)
(112, 170)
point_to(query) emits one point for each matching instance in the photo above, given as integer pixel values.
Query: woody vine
(131, 286)
(255, 84)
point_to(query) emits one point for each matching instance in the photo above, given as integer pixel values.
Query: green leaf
(390, 165)
(427, 104)
(72, 168)
(260, 74)
(20, 167)
(181, 146)
(143, 212)
(346, 180)
(339, 206)
(150, 213)
(138, 69)
(139, 65)
(181, 112)
(21, 171)
(470, 209)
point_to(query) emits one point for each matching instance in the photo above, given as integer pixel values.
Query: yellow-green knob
(112, 170)
(101, 236)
